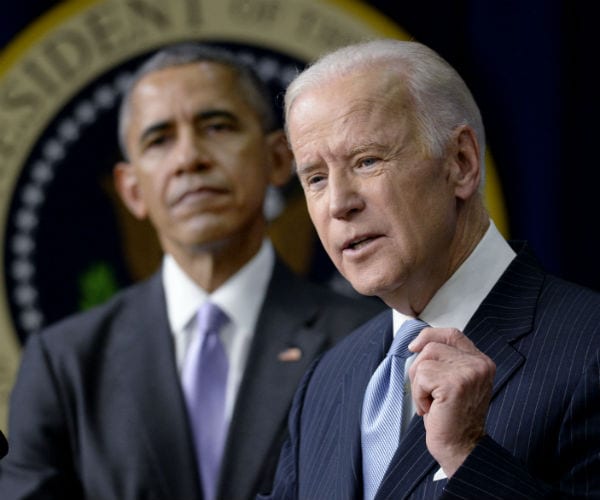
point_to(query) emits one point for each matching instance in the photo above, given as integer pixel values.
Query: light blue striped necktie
(382, 409)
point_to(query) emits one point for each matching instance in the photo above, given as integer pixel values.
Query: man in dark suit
(497, 396)
(98, 409)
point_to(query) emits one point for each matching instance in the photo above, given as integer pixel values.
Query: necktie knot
(211, 318)
(405, 335)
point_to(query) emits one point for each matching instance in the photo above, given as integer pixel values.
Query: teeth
(358, 244)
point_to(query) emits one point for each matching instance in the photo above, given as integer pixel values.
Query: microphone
(3, 445)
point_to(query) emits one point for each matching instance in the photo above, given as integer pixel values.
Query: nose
(344, 196)
(189, 154)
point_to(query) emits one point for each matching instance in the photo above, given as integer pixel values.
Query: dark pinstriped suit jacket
(97, 411)
(543, 423)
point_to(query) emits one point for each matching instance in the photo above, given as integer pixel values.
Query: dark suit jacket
(97, 410)
(543, 424)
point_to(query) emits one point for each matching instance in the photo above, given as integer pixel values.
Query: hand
(451, 383)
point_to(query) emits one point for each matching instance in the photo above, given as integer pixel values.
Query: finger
(442, 358)
(449, 336)
(423, 382)
(437, 351)
(443, 371)
(422, 400)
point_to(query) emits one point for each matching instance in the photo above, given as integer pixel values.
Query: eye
(219, 127)
(367, 162)
(156, 141)
(313, 182)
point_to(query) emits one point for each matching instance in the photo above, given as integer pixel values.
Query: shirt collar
(456, 301)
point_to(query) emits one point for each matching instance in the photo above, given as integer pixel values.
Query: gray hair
(442, 100)
(255, 90)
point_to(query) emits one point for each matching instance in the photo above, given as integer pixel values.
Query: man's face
(384, 210)
(200, 162)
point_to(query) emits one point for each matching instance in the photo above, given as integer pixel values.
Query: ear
(465, 164)
(127, 185)
(280, 158)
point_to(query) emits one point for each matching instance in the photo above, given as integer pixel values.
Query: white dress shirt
(240, 297)
(454, 304)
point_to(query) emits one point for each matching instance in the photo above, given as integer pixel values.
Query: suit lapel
(411, 462)
(506, 314)
(151, 393)
(269, 383)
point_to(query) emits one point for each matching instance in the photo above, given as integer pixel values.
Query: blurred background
(67, 243)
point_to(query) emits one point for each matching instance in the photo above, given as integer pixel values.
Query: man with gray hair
(482, 379)
(178, 388)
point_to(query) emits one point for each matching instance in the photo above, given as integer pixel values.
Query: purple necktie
(204, 380)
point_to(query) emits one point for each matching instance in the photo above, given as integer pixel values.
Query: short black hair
(258, 95)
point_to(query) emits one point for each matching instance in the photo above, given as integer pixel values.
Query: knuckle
(425, 352)
(454, 334)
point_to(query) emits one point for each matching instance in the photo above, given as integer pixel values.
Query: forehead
(357, 108)
(185, 88)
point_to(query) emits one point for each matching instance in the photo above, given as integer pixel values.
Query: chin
(373, 284)
(368, 291)
(365, 287)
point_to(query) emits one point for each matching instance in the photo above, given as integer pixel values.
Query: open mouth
(358, 243)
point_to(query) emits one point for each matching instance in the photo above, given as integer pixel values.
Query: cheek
(317, 215)
(157, 193)
(241, 150)
(245, 166)
(248, 194)
(153, 170)
(147, 187)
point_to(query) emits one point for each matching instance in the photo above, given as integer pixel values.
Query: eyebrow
(363, 148)
(199, 117)
(305, 168)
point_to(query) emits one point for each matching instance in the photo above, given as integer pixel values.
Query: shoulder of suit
(83, 326)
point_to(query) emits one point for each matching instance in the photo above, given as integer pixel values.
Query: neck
(472, 223)
(210, 267)
(470, 230)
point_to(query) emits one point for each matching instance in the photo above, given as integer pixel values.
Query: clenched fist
(451, 383)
